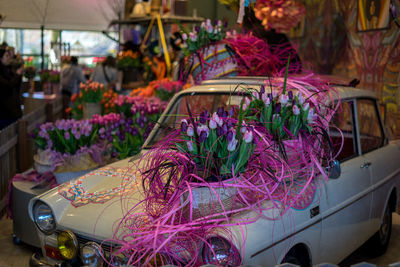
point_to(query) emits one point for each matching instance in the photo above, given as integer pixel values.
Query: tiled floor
(18, 256)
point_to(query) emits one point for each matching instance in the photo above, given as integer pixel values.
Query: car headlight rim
(39, 218)
(230, 254)
(68, 245)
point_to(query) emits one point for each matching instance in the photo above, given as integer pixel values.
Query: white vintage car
(354, 207)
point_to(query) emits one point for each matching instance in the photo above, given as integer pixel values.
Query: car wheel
(379, 242)
(296, 258)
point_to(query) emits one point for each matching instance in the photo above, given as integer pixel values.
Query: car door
(345, 208)
(376, 156)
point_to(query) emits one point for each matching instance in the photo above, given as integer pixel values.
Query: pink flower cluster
(106, 119)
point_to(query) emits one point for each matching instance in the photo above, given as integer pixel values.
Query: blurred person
(106, 73)
(70, 78)
(10, 86)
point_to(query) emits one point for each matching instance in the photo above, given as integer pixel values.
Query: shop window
(343, 121)
(371, 134)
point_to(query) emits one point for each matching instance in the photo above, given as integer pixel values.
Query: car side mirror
(334, 169)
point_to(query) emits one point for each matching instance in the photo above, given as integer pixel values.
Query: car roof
(230, 84)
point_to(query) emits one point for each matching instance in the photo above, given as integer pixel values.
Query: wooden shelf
(165, 19)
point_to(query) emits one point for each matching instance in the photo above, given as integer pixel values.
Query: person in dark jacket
(10, 86)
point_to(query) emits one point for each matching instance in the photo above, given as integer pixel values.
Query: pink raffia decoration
(254, 57)
(171, 225)
(280, 15)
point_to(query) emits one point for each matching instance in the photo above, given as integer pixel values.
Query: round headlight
(221, 252)
(44, 218)
(67, 244)
(91, 254)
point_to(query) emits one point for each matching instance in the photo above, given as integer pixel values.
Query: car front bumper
(36, 261)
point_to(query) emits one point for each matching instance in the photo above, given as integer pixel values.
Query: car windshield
(197, 103)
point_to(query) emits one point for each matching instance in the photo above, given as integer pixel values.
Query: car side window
(371, 134)
(343, 120)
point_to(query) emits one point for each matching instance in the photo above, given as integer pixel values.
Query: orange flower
(68, 110)
(102, 101)
(112, 105)
(80, 94)
(73, 97)
(80, 107)
(106, 105)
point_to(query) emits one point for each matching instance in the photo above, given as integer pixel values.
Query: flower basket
(89, 109)
(205, 201)
(211, 62)
(72, 167)
(41, 165)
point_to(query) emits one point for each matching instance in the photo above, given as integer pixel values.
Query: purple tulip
(278, 108)
(224, 129)
(220, 112)
(184, 125)
(229, 136)
(203, 136)
(248, 136)
(294, 102)
(262, 89)
(190, 131)
(232, 144)
(129, 121)
(114, 154)
(197, 28)
(190, 145)
(296, 110)
(231, 111)
(110, 139)
(66, 135)
(135, 131)
(220, 131)
(290, 94)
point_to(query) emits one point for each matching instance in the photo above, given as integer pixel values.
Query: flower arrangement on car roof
(203, 36)
(270, 147)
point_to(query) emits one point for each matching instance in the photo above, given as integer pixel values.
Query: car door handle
(365, 165)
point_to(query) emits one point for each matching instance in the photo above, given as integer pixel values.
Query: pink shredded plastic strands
(166, 225)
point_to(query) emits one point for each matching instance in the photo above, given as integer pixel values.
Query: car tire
(296, 258)
(379, 242)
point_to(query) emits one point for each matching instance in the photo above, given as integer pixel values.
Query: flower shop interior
(200, 133)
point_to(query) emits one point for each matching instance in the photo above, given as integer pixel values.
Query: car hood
(97, 221)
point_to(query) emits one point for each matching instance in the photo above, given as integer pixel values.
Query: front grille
(83, 240)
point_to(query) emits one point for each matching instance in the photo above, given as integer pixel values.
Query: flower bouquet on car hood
(68, 146)
(220, 163)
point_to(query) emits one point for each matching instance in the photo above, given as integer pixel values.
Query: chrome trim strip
(354, 199)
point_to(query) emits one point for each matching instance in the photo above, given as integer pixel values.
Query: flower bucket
(89, 109)
(293, 150)
(40, 165)
(206, 202)
(213, 61)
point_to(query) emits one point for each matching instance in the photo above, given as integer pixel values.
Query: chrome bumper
(35, 261)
